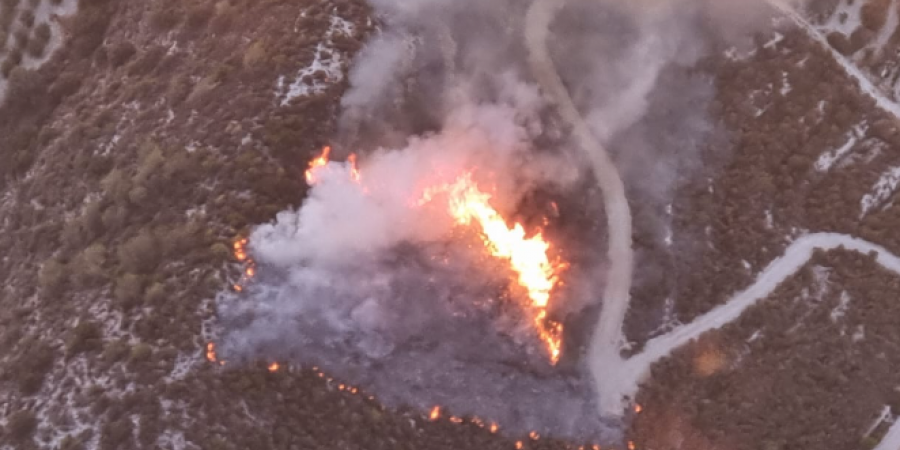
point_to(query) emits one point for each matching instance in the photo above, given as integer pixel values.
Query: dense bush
(87, 336)
(33, 365)
(53, 277)
(21, 425)
(140, 254)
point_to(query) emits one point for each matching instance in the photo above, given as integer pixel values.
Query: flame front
(317, 163)
(528, 256)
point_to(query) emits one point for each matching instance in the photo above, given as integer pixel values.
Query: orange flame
(534, 435)
(631, 445)
(211, 352)
(316, 164)
(494, 428)
(435, 413)
(528, 256)
(354, 171)
(638, 408)
(320, 162)
(274, 367)
(519, 445)
(240, 254)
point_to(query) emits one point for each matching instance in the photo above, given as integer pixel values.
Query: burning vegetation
(469, 206)
(533, 264)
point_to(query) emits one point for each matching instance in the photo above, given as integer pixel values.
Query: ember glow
(249, 271)
(274, 367)
(211, 354)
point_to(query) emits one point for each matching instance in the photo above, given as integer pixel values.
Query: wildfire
(528, 256)
(317, 163)
(320, 162)
(638, 408)
(468, 205)
(211, 354)
(354, 171)
(240, 254)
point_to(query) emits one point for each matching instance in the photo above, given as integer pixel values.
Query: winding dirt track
(606, 341)
(617, 379)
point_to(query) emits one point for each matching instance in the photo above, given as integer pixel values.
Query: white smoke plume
(394, 297)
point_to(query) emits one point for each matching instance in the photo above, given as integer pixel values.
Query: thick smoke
(396, 298)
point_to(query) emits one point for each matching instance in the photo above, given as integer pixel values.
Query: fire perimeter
(468, 205)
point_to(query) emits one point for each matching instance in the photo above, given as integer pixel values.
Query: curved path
(607, 339)
(616, 378)
(795, 257)
(851, 69)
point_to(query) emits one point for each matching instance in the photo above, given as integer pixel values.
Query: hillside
(140, 140)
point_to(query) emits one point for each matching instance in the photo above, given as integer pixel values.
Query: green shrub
(120, 53)
(21, 36)
(21, 425)
(129, 290)
(52, 277)
(138, 195)
(65, 85)
(13, 59)
(116, 350)
(87, 336)
(73, 234)
(152, 161)
(88, 266)
(38, 44)
(198, 16)
(117, 434)
(147, 62)
(71, 442)
(26, 18)
(140, 254)
(155, 294)
(140, 353)
(116, 185)
(164, 18)
(32, 365)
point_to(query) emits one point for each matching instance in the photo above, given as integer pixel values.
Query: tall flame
(317, 163)
(528, 257)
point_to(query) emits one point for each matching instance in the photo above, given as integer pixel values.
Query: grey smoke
(399, 300)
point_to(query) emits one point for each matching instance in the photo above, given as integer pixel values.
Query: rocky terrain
(139, 140)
